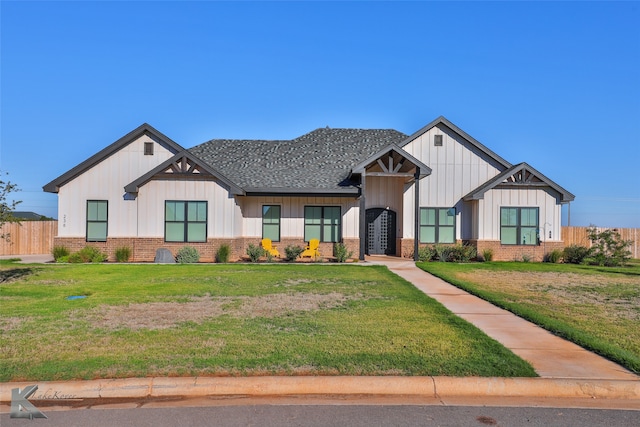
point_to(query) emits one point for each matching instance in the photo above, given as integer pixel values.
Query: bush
(188, 255)
(255, 252)
(87, 254)
(575, 254)
(608, 249)
(555, 256)
(223, 253)
(426, 253)
(447, 253)
(292, 252)
(59, 252)
(123, 254)
(487, 255)
(341, 252)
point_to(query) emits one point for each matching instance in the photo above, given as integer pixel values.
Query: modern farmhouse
(378, 191)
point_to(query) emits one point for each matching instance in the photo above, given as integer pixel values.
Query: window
(519, 226)
(185, 221)
(148, 148)
(97, 212)
(322, 223)
(271, 223)
(437, 140)
(437, 225)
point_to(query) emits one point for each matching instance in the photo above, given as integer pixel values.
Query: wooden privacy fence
(28, 237)
(578, 236)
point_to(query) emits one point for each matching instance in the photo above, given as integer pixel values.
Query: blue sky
(555, 84)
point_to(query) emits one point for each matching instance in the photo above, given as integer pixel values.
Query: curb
(433, 387)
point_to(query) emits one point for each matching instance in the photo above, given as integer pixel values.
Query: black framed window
(519, 226)
(437, 225)
(271, 222)
(97, 220)
(185, 221)
(322, 223)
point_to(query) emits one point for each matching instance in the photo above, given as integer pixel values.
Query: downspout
(416, 215)
(363, 217)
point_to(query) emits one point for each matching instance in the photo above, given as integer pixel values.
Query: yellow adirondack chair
(312, 249)
(266, 245)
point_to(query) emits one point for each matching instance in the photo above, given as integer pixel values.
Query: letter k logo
(21, 407)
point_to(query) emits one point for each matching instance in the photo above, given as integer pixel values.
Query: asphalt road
(334, 415)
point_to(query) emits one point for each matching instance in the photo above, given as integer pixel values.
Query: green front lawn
(595, 307)
(188, 320)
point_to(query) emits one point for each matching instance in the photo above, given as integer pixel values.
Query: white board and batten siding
(106, 181)
(224, 217)
(457, 169)
(489, 212)
(292, 214)
(386, 193)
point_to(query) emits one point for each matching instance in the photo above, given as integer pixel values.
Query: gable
(442, 126)
(182, 166)
(520, 176)
(134, 141)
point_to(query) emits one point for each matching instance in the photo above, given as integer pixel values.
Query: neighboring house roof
(519, 176)
(183, 165)
(472, 141)
(145, 128)
(317, 162)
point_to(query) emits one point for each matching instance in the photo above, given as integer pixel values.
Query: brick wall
(144, 249)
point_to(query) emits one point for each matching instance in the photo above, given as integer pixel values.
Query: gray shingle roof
(318, 162)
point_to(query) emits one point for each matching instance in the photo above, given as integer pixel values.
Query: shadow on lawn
(14, 274)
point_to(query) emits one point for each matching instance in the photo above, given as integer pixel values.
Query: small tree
(6, 207)
(607, 248)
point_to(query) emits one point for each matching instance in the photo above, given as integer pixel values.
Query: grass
(598, 308)
(188, 320)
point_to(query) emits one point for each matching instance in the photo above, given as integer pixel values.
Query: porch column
(416, 215)
(363, 218)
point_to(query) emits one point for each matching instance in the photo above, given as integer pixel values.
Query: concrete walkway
(550, 356)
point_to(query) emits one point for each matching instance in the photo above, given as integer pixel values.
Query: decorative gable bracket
(183, 166)
(519, 176)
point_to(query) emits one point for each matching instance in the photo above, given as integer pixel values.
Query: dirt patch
(162, 315)
(10, 323)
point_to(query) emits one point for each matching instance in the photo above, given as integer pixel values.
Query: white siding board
(106, 181)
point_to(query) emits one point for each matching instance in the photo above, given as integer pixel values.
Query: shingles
(320, 160)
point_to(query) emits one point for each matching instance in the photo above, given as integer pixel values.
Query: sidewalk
(569, 375)
(550, 356)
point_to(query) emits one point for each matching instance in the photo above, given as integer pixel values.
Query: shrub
(554, 256)
(123, 254)
(59, 252)
(188, 255)
(341, 252)
(526, 258)
(608, 249)
(292, 252)
(255, 252)
(487, 255)
(223, 253)
(426, 253)
(575, 254)
(87, 254)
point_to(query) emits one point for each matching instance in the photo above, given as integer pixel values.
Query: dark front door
(381, 232)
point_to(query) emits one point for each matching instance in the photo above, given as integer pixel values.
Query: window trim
(322, 224)
(269, 223)
(518, 227)
(186, 221)
(437, 225)
(90, 221)
(148, 148)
